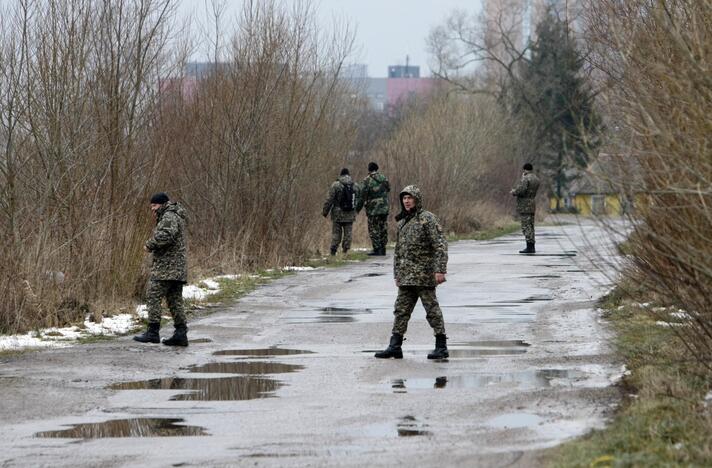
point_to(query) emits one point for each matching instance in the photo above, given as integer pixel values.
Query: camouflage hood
(174, 207)
(414, 192)
(346, 179)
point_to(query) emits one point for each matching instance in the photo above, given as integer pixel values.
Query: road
(286, 376)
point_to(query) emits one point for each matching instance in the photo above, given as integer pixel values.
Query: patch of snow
(195, 292)
(681, 315)
(142, 311)
(708, 399)
(298, 268)
(27, 341)
(211, 284)
(116, 325)
(227, 277)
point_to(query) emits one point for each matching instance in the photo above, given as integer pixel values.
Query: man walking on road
(419, 265)
(341, 203)
(169, 271)
(374, 195)
(525, 191)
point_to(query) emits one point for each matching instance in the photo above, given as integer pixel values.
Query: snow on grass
(298, 268)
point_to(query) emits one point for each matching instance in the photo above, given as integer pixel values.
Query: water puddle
(528, 300)
(331, 315)
(515, 421)
(200, 340)
(246, 367)
(407, 426)
(202, 389)
(528, 379)
(265, 352)
(470, 349)
(137, 427)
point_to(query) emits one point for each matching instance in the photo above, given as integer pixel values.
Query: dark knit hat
(528, 167)
(344, 171)
(372, 167)
(160, 198)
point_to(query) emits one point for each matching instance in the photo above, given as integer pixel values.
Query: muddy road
(286, 376)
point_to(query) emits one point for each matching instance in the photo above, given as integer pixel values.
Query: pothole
(205, 389)
(528, 379)
(260, 352)
(246, 367)
(135, 427)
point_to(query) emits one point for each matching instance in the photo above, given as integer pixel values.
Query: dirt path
(529, 368)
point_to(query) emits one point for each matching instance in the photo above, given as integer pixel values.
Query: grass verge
(663, 419)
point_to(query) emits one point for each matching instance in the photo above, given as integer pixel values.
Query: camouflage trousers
(378, 231)
(173, 292)
(405, 303)
(527, 220)
(340, 234)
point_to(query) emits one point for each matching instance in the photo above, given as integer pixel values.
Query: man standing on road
(341, 203)
(374, 195)
(169, 271)
(525, 191)
(419, 265)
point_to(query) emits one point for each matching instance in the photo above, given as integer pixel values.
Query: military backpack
(348, 197)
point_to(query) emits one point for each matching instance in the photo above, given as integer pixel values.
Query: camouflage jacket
(333, 198)
(421, 248)
(168, 244)
(374, 194)
(525, 191)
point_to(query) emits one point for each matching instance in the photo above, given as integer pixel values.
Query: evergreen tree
(554, 96)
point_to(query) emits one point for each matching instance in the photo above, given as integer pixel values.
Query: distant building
(403, 83)
(403, 71)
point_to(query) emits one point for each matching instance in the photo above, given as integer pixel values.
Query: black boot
(440, 351)
(382, 251)
(179, 338)
(150, 335)
(333, 251)
(529, 250)
(394, 348)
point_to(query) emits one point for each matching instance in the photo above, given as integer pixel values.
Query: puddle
(205, 389)
(407, 426)
(487, 348)
(246, 367)
(331, 315)
(528, 300)
(322, 319)
(529, 379)
(138, 427)
(200, 340)
(515, 421)
(260, 352)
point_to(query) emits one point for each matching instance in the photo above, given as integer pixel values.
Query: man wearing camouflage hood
(419, 265)
(169, 271)
(341, 203)
(374, 195)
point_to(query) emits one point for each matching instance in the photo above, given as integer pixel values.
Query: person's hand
(440, 278)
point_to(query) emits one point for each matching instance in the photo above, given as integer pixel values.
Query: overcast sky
(387, 30)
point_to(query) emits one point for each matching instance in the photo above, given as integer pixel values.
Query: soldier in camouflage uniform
(419, 265)
(525, 191)
(343, 211)
(374, 195)
(169, 271)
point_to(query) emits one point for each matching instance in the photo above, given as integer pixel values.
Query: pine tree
(554, 95)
